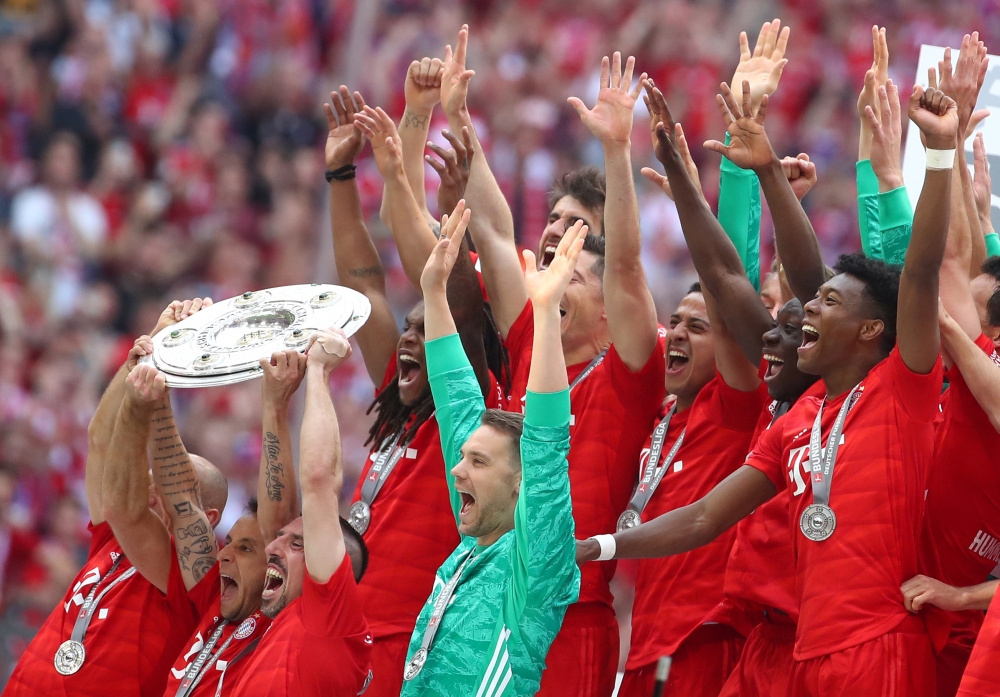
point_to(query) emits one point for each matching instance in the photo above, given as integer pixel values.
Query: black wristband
(341, 174)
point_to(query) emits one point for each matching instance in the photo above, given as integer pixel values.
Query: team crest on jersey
(246, 628)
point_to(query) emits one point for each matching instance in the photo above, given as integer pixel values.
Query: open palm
(345, 141)
(763, 67)
(748, 146)
(611, 118)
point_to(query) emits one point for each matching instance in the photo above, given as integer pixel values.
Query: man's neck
(585, 351)
(848, 374)
(490, 538)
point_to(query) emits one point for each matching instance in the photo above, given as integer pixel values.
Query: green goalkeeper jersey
(512, 595)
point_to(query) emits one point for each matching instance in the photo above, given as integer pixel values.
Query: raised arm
(749, 148)
(277, 491)
(358, 263)
(492, 231)
(715, 258)
(918, 341)
(321, 458)
(630, 309)
(978, 370)
(139, 531)
(982, 186)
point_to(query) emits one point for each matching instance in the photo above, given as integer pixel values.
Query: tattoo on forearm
(196, 529)
(201, 567)
(274, 471)
(411, 120)
(366, 272)
(184, 509)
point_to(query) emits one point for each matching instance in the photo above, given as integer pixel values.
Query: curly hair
(881, 294)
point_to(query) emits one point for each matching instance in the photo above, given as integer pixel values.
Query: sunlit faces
(410, 363)
(286, 567)
(564, 215)
(488, 482)
(983, 287)
(690, 349)
(835, 324)
(785, 382)
(242, 564)
(582, 305)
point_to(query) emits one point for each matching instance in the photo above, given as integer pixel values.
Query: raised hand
(145, 386)
(876, 76)
(546, 287)
(762, 68)
(936, 115)
(611, 118)
(345, 141)
(386, 144)
(327, 349)
(748, 146)
(454, 75)
(179, 310)
(982, 184)
(964, 83)
(422, 89)
(681, 144)
(282, 375)
(661, 124)
(143, 346)
(442, 260)
(886, 137)
(800, 172)
(454, 168)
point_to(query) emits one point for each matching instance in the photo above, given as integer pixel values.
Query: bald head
(214, 487)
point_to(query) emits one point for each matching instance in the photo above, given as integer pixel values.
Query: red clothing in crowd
(133, 637)
(613, 410)
(982, 675)
(318, 645)
(849, 584)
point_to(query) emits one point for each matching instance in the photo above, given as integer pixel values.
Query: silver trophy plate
(223, 344)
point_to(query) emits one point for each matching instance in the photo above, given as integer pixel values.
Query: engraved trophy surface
(223, 344)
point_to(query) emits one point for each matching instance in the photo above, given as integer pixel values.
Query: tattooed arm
(277, 493)
(139, 531)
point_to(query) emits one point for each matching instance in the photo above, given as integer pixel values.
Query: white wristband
(940, 159)
(608, 546)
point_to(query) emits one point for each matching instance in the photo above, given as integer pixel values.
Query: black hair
(251, 507)
(392, 416)
(881, 282)
(511, 425)
(993, 309)
(587, 185)
(695, 288)
(351, 536)
(595, 245)
(992, 267)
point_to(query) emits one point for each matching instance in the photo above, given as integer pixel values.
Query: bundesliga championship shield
(223, 344)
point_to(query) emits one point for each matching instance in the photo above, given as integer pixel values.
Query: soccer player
(854, 548)
(231, 628)
(401, 503)
(500, 597)
(610, 341)
(318, 642)
(982, 674)
(126, 637)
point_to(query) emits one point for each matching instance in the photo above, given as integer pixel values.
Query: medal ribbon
(196, 671)
(90, 604)
(598, 359)
(652, 474)
(386, 461)
(441, 605)
(822, 461)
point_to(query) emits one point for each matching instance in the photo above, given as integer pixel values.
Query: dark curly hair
(881, 290)
(992, 267)
(587, 185)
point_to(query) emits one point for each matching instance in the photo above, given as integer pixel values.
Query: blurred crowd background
(153, 150)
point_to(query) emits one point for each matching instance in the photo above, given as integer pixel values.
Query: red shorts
(897, 664)
(951, 662)
(583, 659)
(388, 659)
(700, 667)
(765, 667)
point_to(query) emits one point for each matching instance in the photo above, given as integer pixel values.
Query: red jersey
(612, 415)
(132, 639)
(849, 585)
(236, 641)
(961, 534)
(412, 529)
(760, 574)
(982, 674)
(673, 595)
(318, 645)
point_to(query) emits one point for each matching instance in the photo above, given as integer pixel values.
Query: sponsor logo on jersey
(986, 546)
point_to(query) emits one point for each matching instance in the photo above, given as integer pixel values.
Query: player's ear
(871, 330)
(214, 516)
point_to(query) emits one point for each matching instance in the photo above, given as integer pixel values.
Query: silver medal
(69, 658)
(415, 665)
(360, 516)
(628, 519)
(818, 522)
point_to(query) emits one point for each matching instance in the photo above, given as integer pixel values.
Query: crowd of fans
(161, 149)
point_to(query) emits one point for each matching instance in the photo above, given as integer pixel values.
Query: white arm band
(940, 159)
(608, 547)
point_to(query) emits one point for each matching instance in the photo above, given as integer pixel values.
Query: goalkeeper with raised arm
(499, 599)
